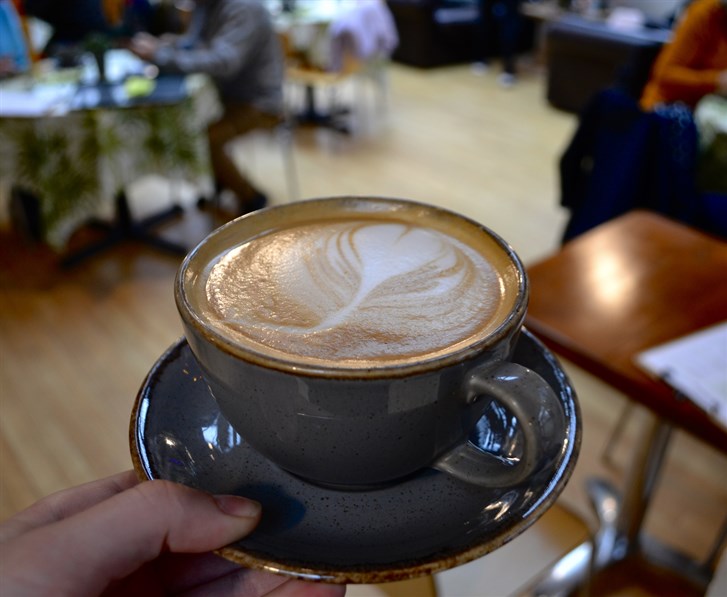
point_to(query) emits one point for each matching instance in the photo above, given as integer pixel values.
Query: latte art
(361, 290)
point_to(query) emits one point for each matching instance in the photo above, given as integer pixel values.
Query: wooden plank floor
(75, 345)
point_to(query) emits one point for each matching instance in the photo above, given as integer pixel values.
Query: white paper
(41, 100)
(696, 366)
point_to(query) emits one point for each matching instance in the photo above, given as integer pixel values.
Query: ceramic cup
(355, 340)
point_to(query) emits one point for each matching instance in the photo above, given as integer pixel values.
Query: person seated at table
(501, 21)
(235, 43)
(692, 70)
(694, 63)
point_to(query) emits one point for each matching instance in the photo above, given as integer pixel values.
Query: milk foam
(368, 290)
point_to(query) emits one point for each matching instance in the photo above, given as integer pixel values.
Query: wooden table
(630, 284)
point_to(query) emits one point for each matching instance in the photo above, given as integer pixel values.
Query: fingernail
(238, 506)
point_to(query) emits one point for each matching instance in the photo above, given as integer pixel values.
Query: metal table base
(618, 540)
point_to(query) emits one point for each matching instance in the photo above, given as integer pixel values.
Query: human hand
(144, 45)
(117, 536)
(168, 38)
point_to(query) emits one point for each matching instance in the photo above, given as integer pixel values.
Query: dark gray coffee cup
(358, 427)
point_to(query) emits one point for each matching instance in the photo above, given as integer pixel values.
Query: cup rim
(513, 320)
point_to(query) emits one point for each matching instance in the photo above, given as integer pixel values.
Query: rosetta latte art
(353, 290)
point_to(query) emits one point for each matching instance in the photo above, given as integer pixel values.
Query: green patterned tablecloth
(77, 162)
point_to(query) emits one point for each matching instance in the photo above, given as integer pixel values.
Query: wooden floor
(75, 345)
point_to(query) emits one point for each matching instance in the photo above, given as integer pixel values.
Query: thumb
(82, 554)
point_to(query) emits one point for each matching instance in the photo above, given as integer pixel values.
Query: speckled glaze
(425, 523)
(368, 425)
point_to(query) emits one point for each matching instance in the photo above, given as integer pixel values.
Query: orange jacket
(687, 68)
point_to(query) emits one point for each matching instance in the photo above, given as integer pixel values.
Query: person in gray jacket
(235, 43)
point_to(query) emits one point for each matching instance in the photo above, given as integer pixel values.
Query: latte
(355, 288)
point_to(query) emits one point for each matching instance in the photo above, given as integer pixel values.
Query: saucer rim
(403, 569)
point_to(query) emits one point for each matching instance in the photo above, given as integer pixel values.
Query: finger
(66, 503)
(299, 588)
(180, 572)
(244, 582)
(114, 538)
(256, 583)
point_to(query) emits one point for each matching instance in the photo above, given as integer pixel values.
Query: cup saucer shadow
(282, 512)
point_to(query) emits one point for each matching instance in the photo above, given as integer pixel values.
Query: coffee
(356, 289)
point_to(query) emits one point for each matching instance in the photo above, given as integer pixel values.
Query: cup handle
(540, 417)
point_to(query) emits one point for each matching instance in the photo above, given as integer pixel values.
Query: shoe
(258, 201)
(507, 80)
(479, 68)
(213, 201)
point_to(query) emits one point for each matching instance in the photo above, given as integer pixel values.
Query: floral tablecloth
(77, 162)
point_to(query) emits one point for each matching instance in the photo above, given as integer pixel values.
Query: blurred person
(692, 70)
(14, 46)
(117, 536)
(235, 42)
(694, 63)
(500, 21)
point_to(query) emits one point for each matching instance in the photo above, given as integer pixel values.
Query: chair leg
(285, 134)
(375, 75)
(381, 80)
(616, 434)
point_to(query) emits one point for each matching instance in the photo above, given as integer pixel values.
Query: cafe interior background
(77, 339)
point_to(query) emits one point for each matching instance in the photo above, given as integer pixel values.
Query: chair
(622, 158)
(283, 133)
(310, 79)
(357, 42)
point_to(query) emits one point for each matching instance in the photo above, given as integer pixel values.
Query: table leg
(620, 520)
(124, 228)
(311, 115)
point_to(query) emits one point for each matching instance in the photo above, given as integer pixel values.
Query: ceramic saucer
(426, 523)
